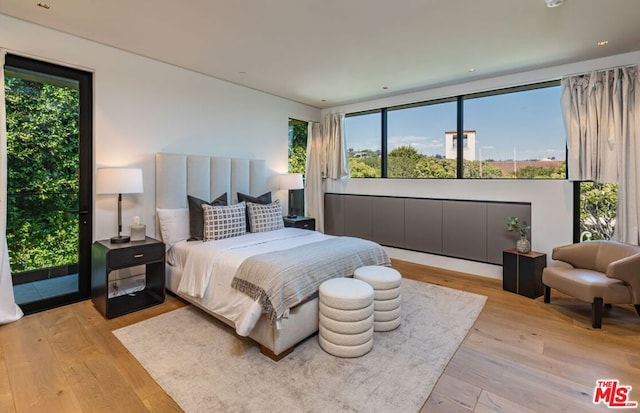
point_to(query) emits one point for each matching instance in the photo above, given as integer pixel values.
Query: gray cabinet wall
(474, 230)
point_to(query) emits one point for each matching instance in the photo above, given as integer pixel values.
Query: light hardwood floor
(522, 355)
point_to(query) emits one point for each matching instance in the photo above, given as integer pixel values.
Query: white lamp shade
(119, 181)
(291, 181)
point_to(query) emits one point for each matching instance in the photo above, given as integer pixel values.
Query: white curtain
(9, 311)
(326, 159)
(602, 138)
(313, 190)
(337, 163)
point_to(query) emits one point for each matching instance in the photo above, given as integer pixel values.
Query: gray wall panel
(358, 216)
(464, 229)
(423, 225)
(334, 214)
(388, 221)
(498, 238)
(474, 230)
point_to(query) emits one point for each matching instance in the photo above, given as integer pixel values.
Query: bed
(216, 275)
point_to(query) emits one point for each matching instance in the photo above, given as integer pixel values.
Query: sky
(528, 122)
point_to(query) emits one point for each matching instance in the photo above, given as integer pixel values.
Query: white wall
(142, 106)
(551, 201)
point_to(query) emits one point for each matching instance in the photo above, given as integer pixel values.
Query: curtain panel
(326, 159)
(602, 124)
(9, 311)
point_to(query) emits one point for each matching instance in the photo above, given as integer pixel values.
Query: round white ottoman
(387, 299)
(346, 317)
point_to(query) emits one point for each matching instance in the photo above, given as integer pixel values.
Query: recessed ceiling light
(554, 3)
(603, 42)
(323, 100)
(385, 87)
(471, 70)
(44, 5)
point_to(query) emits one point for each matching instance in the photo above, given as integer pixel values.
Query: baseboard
(453, 264)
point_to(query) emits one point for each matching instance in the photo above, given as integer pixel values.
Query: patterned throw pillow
(224, 221)
(196, 214)
(265, 217)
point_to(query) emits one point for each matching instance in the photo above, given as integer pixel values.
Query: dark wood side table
(113, 261)
(522, 273)
(300, 222)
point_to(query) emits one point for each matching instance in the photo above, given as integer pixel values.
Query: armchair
(600, 272)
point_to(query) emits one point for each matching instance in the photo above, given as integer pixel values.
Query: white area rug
(205, 367)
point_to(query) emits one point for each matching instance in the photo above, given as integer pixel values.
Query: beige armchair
(601, 272)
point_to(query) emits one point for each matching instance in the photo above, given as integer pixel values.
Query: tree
(359, 169)
(429, 167)
(598, 203)
(297, 146)
(42, 161)
(402, 162)
(481, 169)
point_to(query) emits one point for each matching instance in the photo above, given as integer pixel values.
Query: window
(297, 161)
(509, 133)
(363, 137)
(597, 210)
(417, 141)
(517, 134)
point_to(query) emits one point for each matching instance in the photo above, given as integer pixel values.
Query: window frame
(459, 99)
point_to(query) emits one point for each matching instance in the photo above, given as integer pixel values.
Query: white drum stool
(346, 317)
(387, 299)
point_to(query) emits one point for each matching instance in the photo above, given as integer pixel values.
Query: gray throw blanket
(281, 279)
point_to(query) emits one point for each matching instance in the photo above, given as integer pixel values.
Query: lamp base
(292, 216)
(120, 239)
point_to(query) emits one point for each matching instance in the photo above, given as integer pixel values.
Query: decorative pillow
(262, 199)
(174, 225)
(264, 218)
(224, 221)
(196, 217)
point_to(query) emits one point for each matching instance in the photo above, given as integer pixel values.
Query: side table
(108, 260)
(522, 273)
(300, 222)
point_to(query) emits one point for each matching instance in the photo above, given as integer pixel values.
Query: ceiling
(327, 53)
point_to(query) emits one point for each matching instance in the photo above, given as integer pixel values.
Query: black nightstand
(135, 259)
(300, 222)
(522, 273)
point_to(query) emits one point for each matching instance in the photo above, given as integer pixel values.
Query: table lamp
(291, 182)
(119, 181)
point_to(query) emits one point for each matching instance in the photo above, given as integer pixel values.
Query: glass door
(49, 128)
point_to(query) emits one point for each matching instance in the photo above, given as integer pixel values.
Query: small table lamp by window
(119, 181)
(290, 182)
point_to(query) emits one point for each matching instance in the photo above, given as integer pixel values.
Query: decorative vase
(523, 245)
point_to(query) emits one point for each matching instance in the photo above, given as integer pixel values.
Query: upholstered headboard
(206, 177)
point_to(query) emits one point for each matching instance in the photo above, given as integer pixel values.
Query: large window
(417, 146)
(297, 162)
(510, 133)
(519, 134)
(364, 143)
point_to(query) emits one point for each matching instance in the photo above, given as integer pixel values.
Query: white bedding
(208, 268)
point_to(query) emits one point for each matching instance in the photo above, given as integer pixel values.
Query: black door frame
(85, 210)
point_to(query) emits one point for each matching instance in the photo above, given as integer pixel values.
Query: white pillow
(174, 225)
(265, 217)
(224, 221)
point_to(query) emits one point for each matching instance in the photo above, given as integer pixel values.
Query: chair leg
(598, 306)
(637, 306)
(547, 294)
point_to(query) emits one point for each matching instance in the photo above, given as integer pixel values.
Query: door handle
(78, 211)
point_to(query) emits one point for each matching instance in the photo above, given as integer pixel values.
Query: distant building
(469, 145)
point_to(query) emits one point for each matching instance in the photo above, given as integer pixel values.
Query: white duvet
(209, 267)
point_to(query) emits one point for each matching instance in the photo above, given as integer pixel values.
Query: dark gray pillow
(196, 215)
(262, 199)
